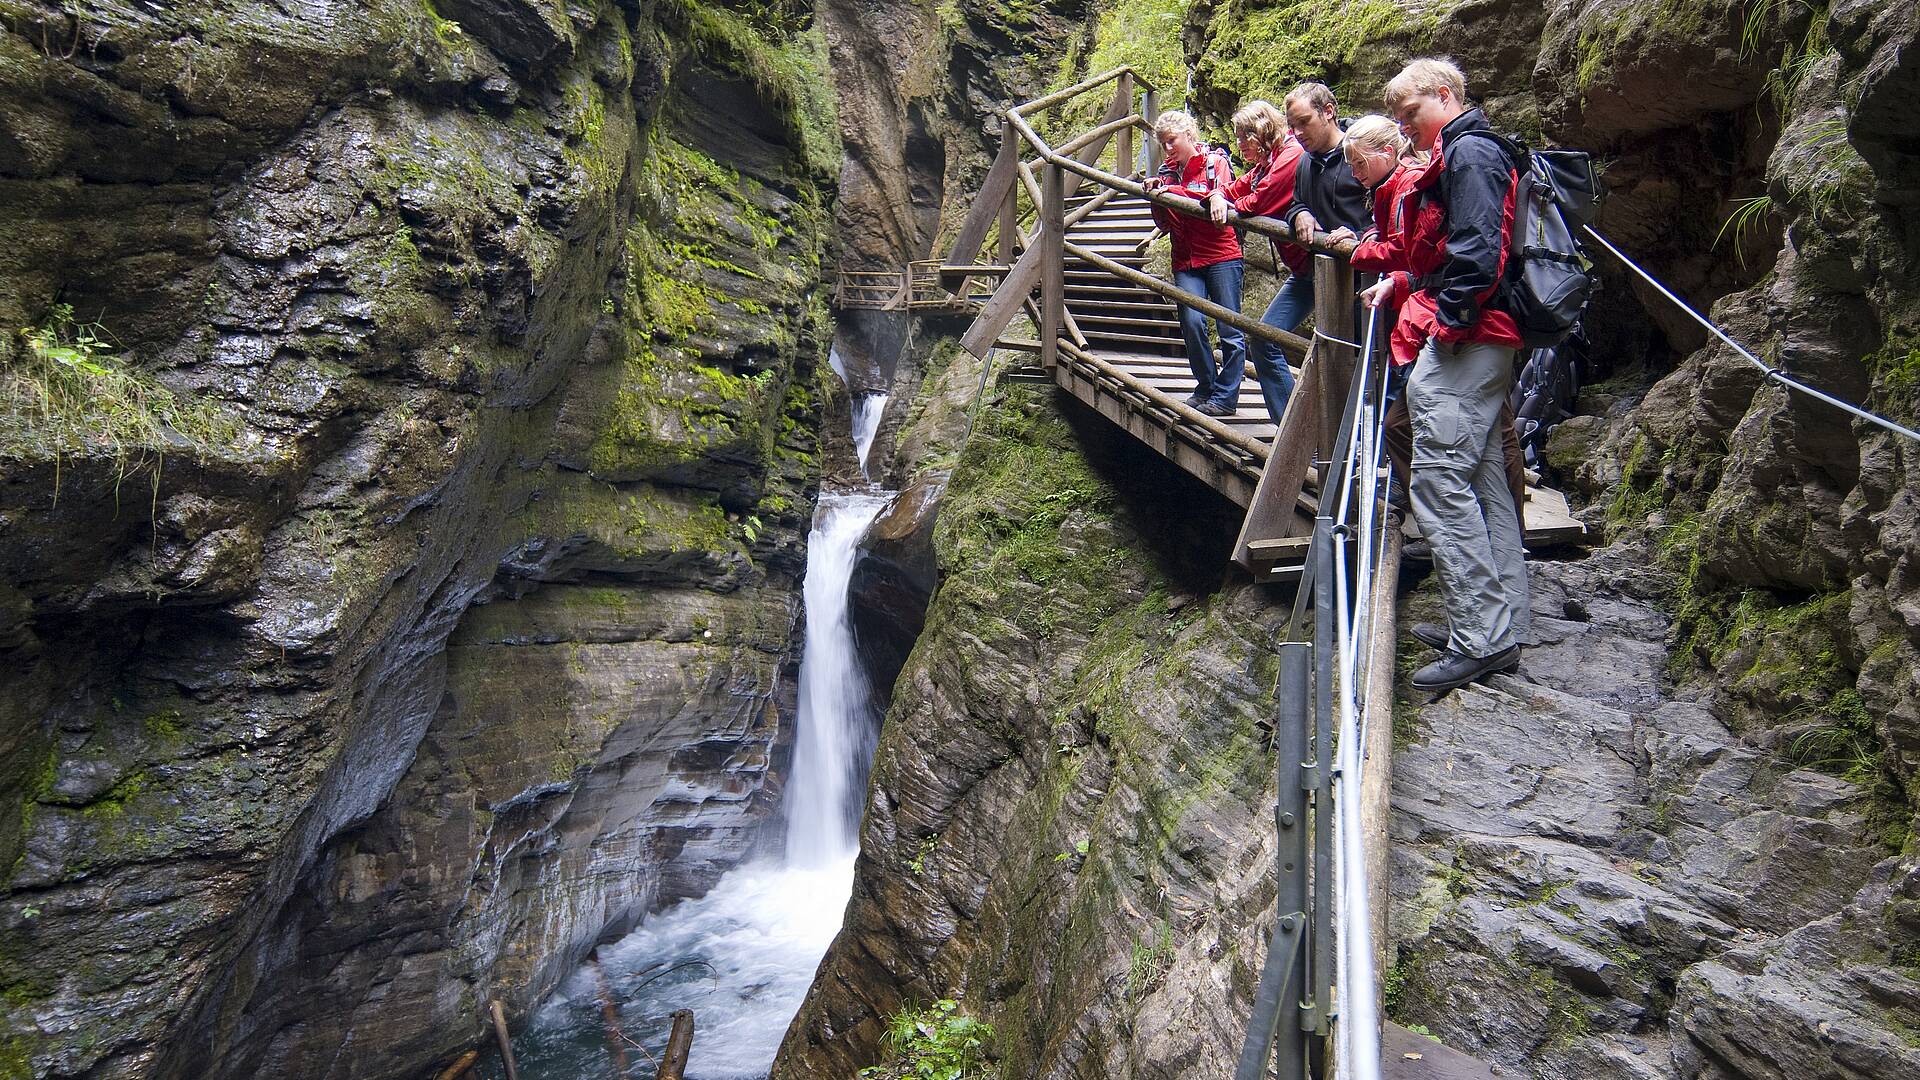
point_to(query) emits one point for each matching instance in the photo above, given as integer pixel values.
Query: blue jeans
(1291, 305)
(1219, 283)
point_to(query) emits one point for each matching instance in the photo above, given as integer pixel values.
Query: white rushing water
(742, 956)
(867, 412)
(835, 736)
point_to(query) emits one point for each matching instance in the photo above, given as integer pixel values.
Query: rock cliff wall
(417, 602)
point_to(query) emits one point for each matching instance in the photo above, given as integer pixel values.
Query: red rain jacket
(1197, 241)
(1267, 190)
(1456, 226)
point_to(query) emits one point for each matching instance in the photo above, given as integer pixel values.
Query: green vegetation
(1896, 376)
(1610, 31)
(1141, 34)
(938, 1042)
(67, 392)
(1152, 955)
(790, 75)
(1270, 47)
(1748, 217)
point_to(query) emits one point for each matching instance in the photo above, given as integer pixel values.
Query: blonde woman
(1264, 191)
(1206, 260)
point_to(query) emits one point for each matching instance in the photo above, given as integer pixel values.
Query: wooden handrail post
(1010, 206)
(1332, 318)
(1123, 143)
(1053, 235)
(1150, 111)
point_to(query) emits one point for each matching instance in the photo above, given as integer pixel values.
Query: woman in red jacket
(1206, 260)
(1264, 191)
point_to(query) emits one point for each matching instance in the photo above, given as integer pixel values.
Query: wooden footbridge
(1073, 263)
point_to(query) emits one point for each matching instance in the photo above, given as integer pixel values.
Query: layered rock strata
(457, 630)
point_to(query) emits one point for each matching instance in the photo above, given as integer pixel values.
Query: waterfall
(867, 411)
(834, 740)
(742, 956)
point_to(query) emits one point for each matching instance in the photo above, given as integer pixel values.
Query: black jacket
(1477, 188)
(1324, 183)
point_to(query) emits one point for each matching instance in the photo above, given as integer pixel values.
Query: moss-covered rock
(422, 258)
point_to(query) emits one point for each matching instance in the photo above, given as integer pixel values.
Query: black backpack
(1545, 391)
(1549, 276)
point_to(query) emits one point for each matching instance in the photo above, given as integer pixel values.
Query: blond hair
(1262, 122)
(1173, 123)
(1376, 134)
(1426, 76)
(1316, 95)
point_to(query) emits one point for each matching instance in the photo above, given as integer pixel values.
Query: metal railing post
(1275, 1032)
(1320, 1012)
(1053, 234)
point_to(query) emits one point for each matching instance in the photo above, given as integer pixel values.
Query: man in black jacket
(1449, 310)
(1326, 194)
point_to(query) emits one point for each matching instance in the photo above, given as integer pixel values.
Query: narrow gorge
(454, 550)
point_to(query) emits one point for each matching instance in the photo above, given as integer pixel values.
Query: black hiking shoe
(1212, 409)
(1458, 669)
(1418, 551)
(1432, 635)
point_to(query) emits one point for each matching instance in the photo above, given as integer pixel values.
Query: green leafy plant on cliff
(938, 1042)
(1141, 34)
(67, 391)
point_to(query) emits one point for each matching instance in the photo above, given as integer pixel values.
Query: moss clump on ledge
(1265, 49)
(65, 391)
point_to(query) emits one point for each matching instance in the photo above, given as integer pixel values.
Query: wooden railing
(1035, 259)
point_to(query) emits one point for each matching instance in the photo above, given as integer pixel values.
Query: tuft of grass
(938, 1042)
(66, 391)
(1747, 219)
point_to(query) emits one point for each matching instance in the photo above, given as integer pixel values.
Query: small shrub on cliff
(938, 1042)
(65, 391)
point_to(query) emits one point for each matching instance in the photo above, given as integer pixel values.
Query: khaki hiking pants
(1461, 497)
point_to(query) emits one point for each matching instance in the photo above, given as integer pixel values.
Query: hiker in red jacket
(1264, 191)
(1459, 220)
(1386, 163)
(1206, 260)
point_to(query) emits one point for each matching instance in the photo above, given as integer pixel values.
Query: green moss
(789, 73)
(1632, 503)
(1270, 46)
(1613, 31)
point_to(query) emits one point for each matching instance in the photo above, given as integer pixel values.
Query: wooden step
(1085, 315)
(1133, 339)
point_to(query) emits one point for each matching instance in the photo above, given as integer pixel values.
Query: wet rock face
(501, 304)
(1596, 877)
(894, 580)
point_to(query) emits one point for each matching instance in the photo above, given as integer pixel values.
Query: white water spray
(835, 736)
(867, 411)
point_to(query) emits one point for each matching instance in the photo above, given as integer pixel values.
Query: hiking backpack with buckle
(1549, 276)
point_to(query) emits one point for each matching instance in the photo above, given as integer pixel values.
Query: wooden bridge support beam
(1333, 323)
(1010, 205)
(1053, 236)
(1152, 113)
(1123, 146)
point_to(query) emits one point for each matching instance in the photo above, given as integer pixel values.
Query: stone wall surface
(457, 629)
